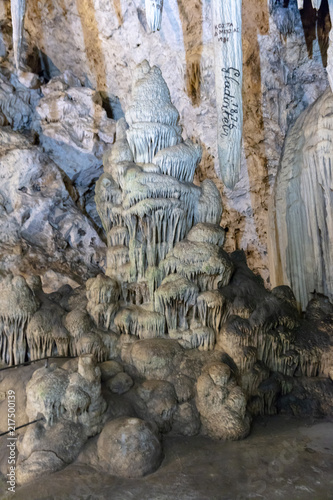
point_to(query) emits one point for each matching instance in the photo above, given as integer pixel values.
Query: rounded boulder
(128, 447)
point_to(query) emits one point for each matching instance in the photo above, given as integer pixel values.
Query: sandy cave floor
(284, 457)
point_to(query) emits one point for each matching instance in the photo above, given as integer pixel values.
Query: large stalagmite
(301, 224)
(227, 32)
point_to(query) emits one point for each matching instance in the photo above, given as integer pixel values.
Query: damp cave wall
(284, 59)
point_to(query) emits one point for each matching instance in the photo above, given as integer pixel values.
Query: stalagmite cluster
(163, 233)
(188, 338)
(57, 394)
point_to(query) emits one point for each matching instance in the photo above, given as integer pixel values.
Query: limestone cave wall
(284, 56)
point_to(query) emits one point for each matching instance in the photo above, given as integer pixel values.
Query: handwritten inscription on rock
(230, 106)
(227, 34)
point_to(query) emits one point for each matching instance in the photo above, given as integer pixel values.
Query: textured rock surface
(40, 225)
(74, 131)
(301, 212)
(128, 447)
(278, 460)
(43, 450)
(221, 404)
(283, 74)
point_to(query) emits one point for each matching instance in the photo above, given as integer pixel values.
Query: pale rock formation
(17, 307)
(156, 401)
(329, 66)
(151, 116)
(109, 369)
(227, 33)
(129, 447)
(221, 404)
(38, 215)
(179, 161)
(316, 4)
(17, 103)
(103, 296)
(148, 204)
(44, 450)
(45, 392)
(108, 39)
(18, 12)
(74, 130)
(154, 10)
(301, 224)
(46, 334)
(59, 395)
(145, 324)
(71, 121)
(154, 358)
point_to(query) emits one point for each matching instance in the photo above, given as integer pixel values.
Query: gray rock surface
(120, 383)
(283, 73)
(39, 220)
(128, 447)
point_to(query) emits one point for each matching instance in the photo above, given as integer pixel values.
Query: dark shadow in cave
(191, 19)
(316, 25)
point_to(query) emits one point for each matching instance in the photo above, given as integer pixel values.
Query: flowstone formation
(300, 215)
(162, 230)
(187, 338)
(74, 409)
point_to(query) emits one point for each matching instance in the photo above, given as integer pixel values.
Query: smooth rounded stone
(186, 419)
(156, 401)
(109, 369)
(128, 447)
(120, 383)
(155, 358)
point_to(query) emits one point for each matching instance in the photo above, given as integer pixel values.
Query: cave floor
(283, 458)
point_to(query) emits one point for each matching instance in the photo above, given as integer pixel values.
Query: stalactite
(18, 12)
(145, 324)
(17, 306)
(201, 338)
(316, 4)
(92, 343)
(329, 66)
(103, 294)
(154, 10)
(174, 298)
(227, 32)
(180, 161)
